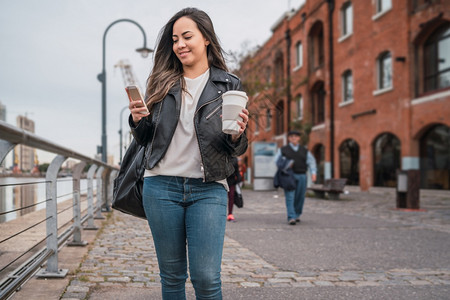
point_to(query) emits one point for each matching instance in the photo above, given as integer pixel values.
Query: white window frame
(345, 78)
(299, 56)
(381, 88)
(300, 111)
(346, 25)
(381, 11)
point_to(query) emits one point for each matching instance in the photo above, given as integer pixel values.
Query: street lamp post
(102, 78)
(121, 134)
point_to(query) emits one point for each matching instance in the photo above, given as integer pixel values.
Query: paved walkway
(357, 248)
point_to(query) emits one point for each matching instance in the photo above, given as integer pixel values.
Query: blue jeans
(296, 198)
(187, 212)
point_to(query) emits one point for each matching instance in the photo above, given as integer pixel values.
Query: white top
(183, 155)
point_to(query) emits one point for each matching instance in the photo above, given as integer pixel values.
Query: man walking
(302, 160)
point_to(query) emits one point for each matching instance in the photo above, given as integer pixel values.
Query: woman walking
(188, 157)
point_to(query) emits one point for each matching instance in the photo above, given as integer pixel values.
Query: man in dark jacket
(303, 159)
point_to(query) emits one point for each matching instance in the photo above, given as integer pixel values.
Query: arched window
(279, 71)
(268, 75)
(437, 60)
(299, 55)
(279, 118)
(268, 119)
(318, 104)
(384, 70)
(435, 158)
(316, 50)
(349, 161)
(386, 152)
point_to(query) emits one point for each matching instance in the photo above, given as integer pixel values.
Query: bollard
(76, 175)
(408, 189)
(90, 198)
(52, 220)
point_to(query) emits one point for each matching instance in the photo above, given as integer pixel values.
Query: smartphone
(134, 94)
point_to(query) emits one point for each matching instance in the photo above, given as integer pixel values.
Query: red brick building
(368, 82)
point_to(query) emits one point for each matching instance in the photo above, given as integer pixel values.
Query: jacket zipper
(213, 112)
(202, 168)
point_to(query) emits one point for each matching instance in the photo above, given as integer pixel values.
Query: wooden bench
(333, 187)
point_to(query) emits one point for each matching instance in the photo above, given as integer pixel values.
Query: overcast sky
(51, 53)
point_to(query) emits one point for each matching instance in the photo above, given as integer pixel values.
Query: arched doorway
(319, 155)
(349, 161)
(386, 152)
(435, 158)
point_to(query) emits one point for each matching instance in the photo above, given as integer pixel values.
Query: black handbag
(238, 200)
(127, 194)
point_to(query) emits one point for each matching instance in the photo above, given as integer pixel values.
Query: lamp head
(144, 51)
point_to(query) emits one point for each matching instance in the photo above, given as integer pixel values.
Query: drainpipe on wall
(288, 76)
(331, 69)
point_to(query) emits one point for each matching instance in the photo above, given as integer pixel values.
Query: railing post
(107, 184)
(76, 175)
(99, 175)
(52, 219)
(111, 185)
(90, 198)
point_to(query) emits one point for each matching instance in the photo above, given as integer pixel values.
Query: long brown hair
(167, 69)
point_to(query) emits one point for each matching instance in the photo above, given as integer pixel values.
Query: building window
(279, 118)
(300, 107)
(268, 75)
(383, 5)
(384, 71)
(316, 47)
(268, 119)
(279, 74)
(437, 60)
(318, 104)
(299, 55)
(347, 86)
(347, 19)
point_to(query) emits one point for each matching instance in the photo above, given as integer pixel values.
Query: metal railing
(11, 136)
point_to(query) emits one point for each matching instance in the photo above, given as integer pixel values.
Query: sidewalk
(357, 248)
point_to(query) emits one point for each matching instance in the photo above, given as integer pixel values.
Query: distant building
(2, 112)
(367, 81)
(24, 155)
(2, 118)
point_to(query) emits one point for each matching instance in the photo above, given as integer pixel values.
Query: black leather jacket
(216, 148)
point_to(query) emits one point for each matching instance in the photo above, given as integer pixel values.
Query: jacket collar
(211, 90)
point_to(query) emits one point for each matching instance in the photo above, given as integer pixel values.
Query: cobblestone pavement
(124, 256)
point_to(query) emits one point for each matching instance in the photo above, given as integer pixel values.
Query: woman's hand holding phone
(137, 106)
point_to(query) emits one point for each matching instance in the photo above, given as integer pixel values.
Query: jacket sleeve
(240, 146)
(141, 131)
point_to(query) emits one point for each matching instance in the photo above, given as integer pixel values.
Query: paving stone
(250, 284)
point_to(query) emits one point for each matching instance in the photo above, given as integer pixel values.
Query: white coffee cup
(232, 104)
